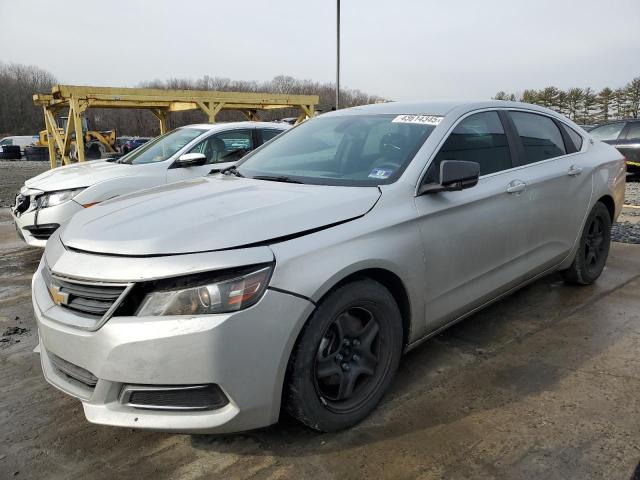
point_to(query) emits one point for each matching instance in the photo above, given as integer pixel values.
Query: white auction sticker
(421, 119)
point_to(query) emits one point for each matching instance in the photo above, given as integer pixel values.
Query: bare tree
(18, 83)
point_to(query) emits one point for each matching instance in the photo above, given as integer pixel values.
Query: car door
(629, 145)
(557, 187)
(221, 149)
(474, 239)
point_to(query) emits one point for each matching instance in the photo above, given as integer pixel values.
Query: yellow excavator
(97, 143)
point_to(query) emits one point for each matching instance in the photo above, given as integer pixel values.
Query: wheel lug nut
(355, 358)
(356, 342)
(339, 356)
(346, 342)
(345, 366)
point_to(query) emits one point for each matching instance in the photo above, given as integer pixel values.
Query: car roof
(227, 125)
(439, 108)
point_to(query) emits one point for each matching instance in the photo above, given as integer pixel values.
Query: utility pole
(337, 54)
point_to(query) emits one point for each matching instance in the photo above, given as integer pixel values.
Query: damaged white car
(49, 200)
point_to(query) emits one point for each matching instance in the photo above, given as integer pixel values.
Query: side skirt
(418, 342)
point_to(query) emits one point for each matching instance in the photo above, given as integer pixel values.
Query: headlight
(224, 295)
(56, 198)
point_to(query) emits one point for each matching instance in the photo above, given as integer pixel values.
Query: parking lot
(544, 384)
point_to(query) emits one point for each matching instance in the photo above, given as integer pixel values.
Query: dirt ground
(543, 385)
(13, 175)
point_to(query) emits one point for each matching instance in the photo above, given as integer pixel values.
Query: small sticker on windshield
(380, 173)
(421, 119)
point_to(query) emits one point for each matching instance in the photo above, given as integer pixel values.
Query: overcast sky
(399, 49)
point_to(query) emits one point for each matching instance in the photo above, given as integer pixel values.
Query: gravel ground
(632, 194)
(626, 232)
(13, 175)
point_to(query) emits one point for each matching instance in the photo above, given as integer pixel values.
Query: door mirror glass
(454, 175)
(191, 160)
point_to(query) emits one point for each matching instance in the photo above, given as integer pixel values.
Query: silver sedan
(300, 276)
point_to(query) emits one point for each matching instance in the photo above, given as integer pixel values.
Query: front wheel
(593, 249)
(346, 357)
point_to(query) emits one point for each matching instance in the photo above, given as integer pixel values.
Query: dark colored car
(134, 143)
(625, 136)
(120, 142)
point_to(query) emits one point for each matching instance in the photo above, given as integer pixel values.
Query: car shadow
(479, 365)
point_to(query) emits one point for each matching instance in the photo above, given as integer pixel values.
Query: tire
(345, 358)
(94, 151)
(10, 152)
(593, 250)
(32, 153)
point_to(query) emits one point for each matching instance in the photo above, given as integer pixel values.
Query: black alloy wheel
(593, 248)
(345, 357)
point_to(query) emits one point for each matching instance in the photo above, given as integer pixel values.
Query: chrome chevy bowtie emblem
(58, 297)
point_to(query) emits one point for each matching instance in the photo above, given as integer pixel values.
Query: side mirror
(191, 160)
(454, 175)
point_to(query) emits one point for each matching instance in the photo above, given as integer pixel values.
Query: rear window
(541, 137)
(633, 133)
(608, 132)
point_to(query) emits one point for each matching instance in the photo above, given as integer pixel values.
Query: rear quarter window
(575, 137)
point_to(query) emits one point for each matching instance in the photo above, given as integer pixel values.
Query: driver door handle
(516, 186)
(574, 170)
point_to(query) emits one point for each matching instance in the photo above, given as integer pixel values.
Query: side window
(478, 138)
(6, 141)
(633, 133)
(226, 146)
(541, 137)
(575, 137)
(610, 132)
(269, 133)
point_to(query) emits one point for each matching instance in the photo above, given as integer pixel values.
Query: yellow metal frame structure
(77, 99)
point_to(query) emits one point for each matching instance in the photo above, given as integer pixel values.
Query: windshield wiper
(232, 170)
(276, 178)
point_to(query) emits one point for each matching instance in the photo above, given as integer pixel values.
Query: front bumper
(245, 353)
(58, 214)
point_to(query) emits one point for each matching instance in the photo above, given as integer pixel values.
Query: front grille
(42, 232)
(183, 397)
(73, 372)
(95, 300)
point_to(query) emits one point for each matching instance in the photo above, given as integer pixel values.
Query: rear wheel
(346, 357)
(593, 249)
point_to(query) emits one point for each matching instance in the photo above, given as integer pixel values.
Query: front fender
(313, 264)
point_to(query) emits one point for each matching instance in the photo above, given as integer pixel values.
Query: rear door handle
(516, 186)
(574, 170)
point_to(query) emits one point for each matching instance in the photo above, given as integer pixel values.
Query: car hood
(212, 213)
(78, 175)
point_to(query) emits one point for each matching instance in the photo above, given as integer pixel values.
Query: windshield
(357, 150)
(162, 147)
